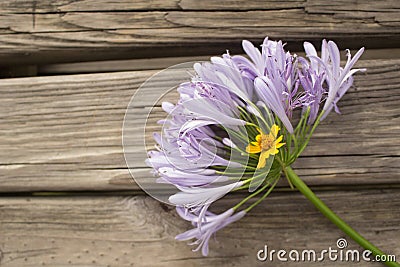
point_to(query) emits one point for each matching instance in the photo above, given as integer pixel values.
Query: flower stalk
(333, 217)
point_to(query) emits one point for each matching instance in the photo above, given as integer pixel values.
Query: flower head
(222, 135)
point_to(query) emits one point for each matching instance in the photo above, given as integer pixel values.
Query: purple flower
(189, 178)
(317, 65)
(339, 79)
(270, 91)
(225, 108)
(204, 229)
(274, 74)
(311, 80)
(191, 197)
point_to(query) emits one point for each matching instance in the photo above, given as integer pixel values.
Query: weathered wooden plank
(344, 7)
(64, 132)
(52, 31)
(51, 6)
(139, 231)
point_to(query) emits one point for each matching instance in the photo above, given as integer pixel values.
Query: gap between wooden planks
(63, 133)
(158, 63)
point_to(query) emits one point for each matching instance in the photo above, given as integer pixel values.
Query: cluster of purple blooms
(190, 150)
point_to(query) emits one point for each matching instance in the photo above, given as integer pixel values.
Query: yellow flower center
(266, 144)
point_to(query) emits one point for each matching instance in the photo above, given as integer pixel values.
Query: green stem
(306, 191)
(284, 170)
(250, 196)
(263, 196)
(305, 143)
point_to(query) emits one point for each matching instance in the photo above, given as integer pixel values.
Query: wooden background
(69, 68)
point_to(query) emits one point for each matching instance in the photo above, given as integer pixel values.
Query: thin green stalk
(303, 120)
(252, 124)
(299, 125)
(317, 121)
(306, 191)
(245, 114)
(240, 136)
(250, 196)
(305, 143)
(296, 145)
(288, 145)
(264, 196)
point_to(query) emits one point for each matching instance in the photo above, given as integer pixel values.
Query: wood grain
(139, 231)
(63, 133)
(53, 6)
(57, 31)
(48, 6)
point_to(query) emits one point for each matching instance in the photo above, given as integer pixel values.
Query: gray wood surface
(52, 31)
(66, 196)
(138, 231)
(63, 133)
